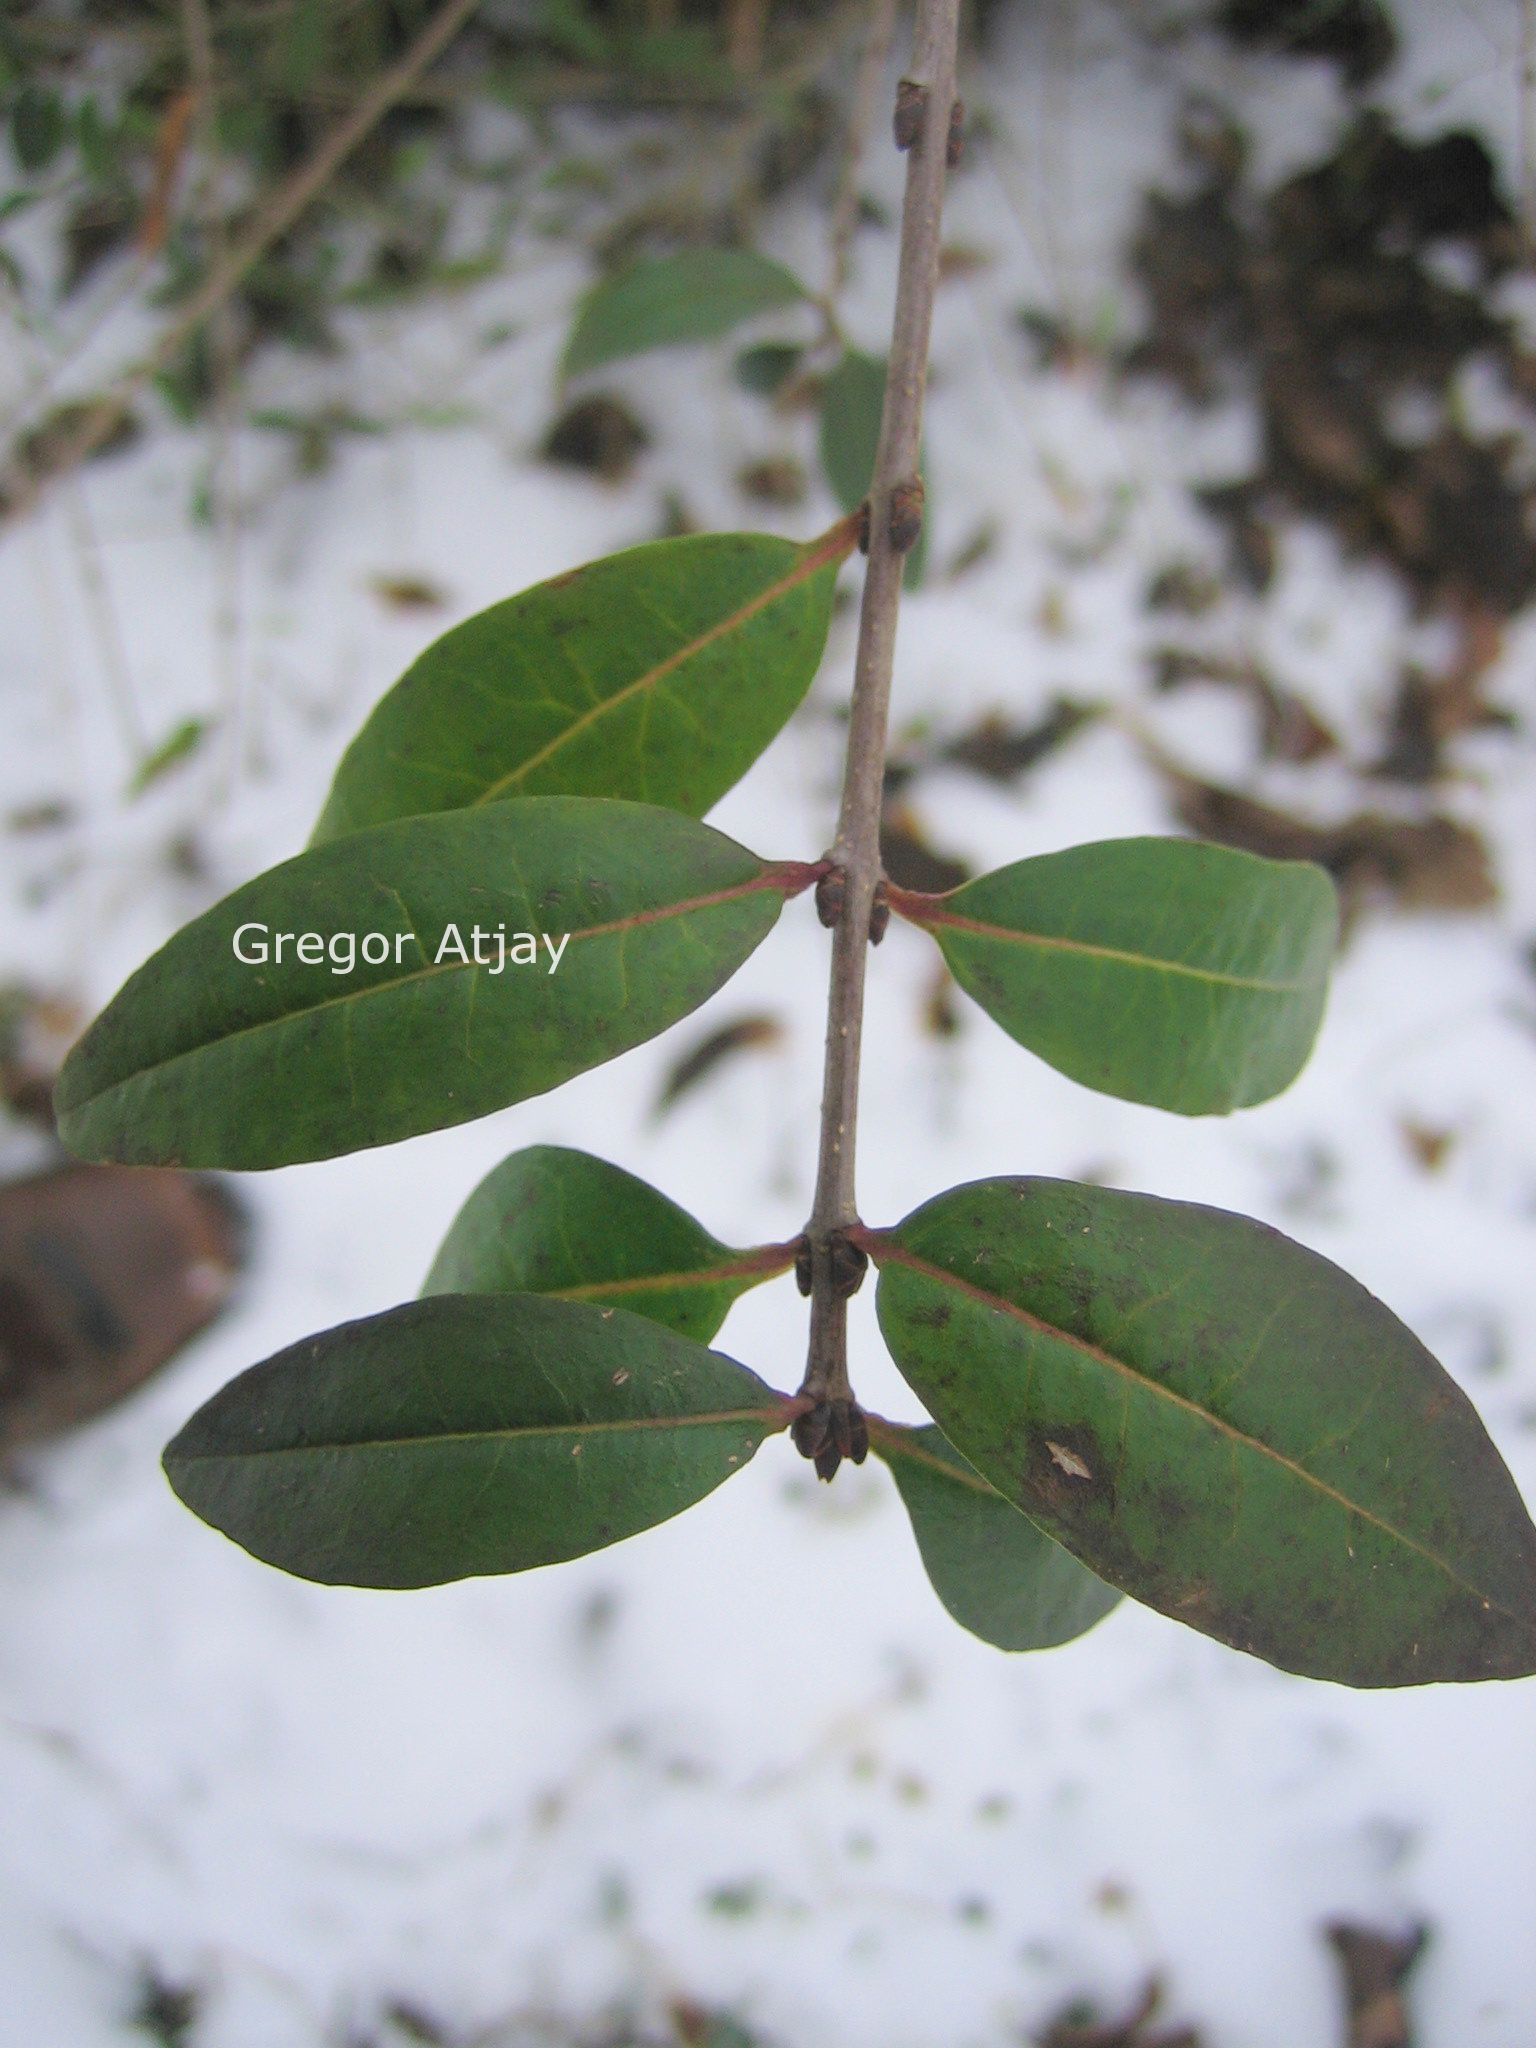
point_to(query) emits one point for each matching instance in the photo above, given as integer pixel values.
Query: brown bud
(803, 1265)
(954, 142)
(831, 894)
(906, 521)
(850, 1436)
(864, 528)
(842, 1433)
(830, 1432)
(811, 1433)
(879, 915)
(858, 1435)
(848, 1265)
(907, 123)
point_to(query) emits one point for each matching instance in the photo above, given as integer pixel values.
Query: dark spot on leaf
(1066, 1468)
(930, 1315)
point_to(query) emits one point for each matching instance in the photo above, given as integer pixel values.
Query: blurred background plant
(149, 141)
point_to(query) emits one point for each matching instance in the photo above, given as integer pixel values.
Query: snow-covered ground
(747, 1756)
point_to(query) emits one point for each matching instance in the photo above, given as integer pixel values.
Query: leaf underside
(1171, 972)
(657, 675)
(466, 1435)
(201, 1060)
(553, 1221)
(1220, 1423)
(999, 1575)
(694, 295)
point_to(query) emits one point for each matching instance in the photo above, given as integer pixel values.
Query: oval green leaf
(39, 128)
(203, 1059)
(553, 1221)
(660, 301)
(1218, 1422)
(466, 1435)
(658, 675)
(851, 405)
(1168, 971)
(999, 1576)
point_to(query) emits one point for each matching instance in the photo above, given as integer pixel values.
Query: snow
(747, 1757)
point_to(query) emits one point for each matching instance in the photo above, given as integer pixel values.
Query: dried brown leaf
(1078, 2027)
(105, 1273)
(910, 861)
(1432, 863)
(409, 593)
(744, 1034)
(600, 435)
(1375, 1967)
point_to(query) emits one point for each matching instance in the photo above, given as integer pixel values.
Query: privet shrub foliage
(1130, 1396)
(699, 294)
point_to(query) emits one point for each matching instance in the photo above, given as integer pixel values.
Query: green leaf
(851, 406)
(303, 45)
(767, 367)
(1189, 976)
(999, 1575)
(1220, 1423)
(552, 1221)
(566, 25)
(184, 738)
(659, 301)
(466, 1435)
(680, 53)
(101, 154)
(204, 1059)
(39, 126)
(659, 674)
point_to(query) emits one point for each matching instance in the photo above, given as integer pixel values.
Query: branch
(861, 115)
(926, 108)
(271, 223)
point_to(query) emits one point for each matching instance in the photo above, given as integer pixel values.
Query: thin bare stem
(106, 624)
(861, 115)
(272, 221)
(223, 483)
(924, 114)
(748, 27)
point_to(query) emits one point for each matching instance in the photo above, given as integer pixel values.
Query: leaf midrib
(883, 1248)
(626, 1426)
(832, 546)
(899, 1442)
(770, 878)
(747, 1266)
(929, 911)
